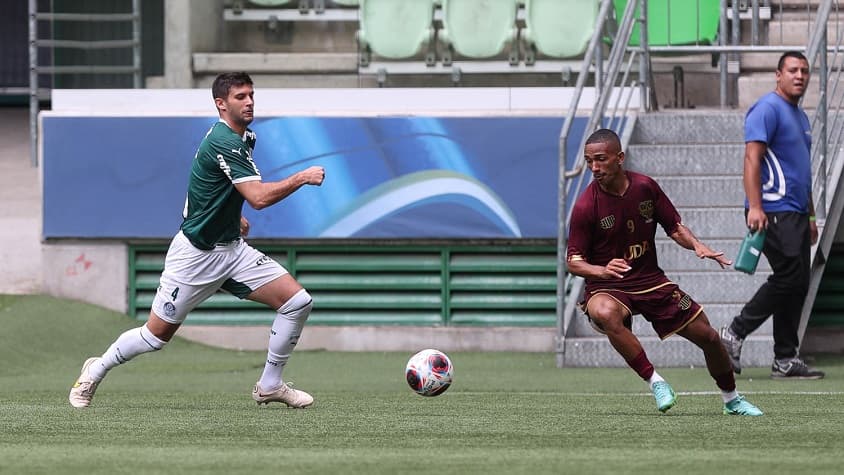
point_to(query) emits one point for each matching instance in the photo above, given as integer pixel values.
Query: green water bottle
(749, 251)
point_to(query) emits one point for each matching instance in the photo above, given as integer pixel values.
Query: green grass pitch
(187, 409)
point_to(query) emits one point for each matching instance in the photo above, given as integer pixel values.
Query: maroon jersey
(605, 226)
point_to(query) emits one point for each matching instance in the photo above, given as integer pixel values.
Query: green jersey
(213, 206)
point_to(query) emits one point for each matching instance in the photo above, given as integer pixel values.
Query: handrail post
(644, 59)
(820, 206)
(616, 55)
(562, 184)
(828, 208)
(33, 83)
(722, 57)
(137, 77)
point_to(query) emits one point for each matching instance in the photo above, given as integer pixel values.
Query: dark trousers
(787, 246)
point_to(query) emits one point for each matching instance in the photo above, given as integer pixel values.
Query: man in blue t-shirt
(778, 185)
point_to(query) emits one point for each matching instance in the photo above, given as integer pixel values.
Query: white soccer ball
(429, 372)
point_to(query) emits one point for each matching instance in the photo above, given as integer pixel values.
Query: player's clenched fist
(313, 175)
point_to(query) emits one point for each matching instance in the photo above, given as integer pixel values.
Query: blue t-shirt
(787, 165)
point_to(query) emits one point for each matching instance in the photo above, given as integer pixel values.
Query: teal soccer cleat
(740, 407)
(664, 395)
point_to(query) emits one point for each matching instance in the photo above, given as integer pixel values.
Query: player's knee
(606, 312)
(298, 306)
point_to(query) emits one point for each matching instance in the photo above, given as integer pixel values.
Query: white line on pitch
(679, 393)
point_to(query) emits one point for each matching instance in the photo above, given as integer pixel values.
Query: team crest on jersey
(608, 222)
(169, 309)
(646, 209)
(683, 300)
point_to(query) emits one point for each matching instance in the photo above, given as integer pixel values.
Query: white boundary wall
(337, 102)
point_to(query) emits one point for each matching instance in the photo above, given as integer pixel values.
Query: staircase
(697, 158)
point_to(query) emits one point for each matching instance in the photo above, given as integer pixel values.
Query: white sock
(728, 396)
(655, 378)
(127, 346)
(284, 335)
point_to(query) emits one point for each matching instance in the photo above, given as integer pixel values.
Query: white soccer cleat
(285, 393)
(83, 389)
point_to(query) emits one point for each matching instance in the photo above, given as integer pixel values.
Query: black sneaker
(732, 344)
(794, 368)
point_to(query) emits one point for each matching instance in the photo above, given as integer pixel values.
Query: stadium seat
(270, 3)
(347, 3)
(395, 30)
(677, 22)
(479, 28)
(558, 28)
(301, 4)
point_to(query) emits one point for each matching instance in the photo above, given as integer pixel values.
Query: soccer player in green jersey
(209, 252)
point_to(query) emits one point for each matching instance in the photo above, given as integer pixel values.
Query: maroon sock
(643, 367)
(725, 381)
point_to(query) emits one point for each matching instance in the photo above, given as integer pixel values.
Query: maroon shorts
(666, 306)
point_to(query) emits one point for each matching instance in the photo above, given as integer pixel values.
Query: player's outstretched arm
(261, 194)
(684, 237)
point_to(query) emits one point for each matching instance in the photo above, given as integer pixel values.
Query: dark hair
(790, 54)
(606, 136)
(224, 82)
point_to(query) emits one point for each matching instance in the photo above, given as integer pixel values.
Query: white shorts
(192, 275)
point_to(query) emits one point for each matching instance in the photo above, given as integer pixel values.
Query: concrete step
(674, 352)
(715, 223)
(753, 86)
(674, 258)
(685, 160)
(276, 63)
(689, 127)
(689, 191)
(796, 4)
(729, 287)
(795, 29)
(293, 80)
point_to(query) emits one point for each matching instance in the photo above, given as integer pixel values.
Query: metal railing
(609, 88)
(36, 42)
(828, 146)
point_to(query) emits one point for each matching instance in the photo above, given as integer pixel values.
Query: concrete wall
(94, 272)
(189, 26)
(20, 211)
(381, 338)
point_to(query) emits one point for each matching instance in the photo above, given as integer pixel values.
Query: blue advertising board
(386, 177)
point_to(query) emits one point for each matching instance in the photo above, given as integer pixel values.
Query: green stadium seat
(677, 22)
(347, 3)
(302, 5)
(479, 28)
(395, 29)
(558, 28)
(271, 3)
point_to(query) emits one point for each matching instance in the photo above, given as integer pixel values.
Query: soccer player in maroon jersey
(611, 245)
